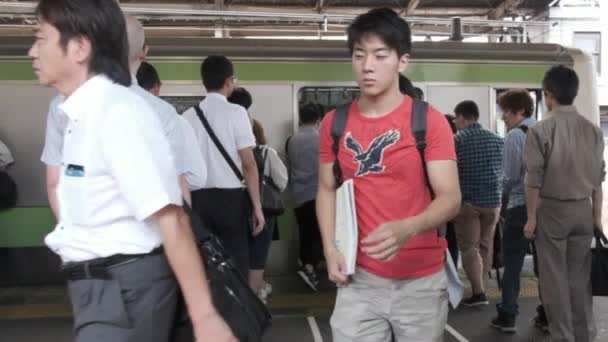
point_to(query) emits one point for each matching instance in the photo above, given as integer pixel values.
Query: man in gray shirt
(303, 156)
(564, 174)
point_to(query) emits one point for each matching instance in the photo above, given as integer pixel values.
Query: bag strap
(202, 234)
(337, 130)
(419, 114)
(218, 144)
(524, 128)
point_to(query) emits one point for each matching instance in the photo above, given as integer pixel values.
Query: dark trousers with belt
(311, 247)
(227, 214)
(135, 302)
(563, 239)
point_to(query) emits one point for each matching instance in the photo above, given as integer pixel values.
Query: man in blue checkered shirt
(479, 153)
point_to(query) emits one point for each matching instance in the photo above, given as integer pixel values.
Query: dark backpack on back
(8, 191)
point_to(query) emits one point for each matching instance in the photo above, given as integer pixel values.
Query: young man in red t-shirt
(400, 286)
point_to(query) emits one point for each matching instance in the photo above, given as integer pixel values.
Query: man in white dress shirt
(118, 196)
(224, 203)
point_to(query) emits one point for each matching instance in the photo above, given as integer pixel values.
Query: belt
(100, 268)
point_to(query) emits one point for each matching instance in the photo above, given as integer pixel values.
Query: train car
(281, 75)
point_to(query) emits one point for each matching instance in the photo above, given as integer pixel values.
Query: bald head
(137, 37)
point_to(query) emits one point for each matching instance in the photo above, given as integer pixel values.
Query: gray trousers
(137, 304)
(563, 239)
(375, 309)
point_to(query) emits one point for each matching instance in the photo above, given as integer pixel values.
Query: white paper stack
(347, 231)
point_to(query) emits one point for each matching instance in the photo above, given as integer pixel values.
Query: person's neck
(380, 105)
(516, 124)
(69, 86)
(224, 92)
(134, 66)
(470, 123)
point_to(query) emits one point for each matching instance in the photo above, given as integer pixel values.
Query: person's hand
(212, 327)
(259, 222)
(336, 267)
(530, 229)
(388, 239)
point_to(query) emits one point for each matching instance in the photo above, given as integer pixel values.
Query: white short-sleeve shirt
(56, 122)
(232, 126)
(196, 172)
(186, 164)
(116, 172)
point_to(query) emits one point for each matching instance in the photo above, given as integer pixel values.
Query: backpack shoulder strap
(218, 144)
(337, 130)
(419, 114)
(524, 128)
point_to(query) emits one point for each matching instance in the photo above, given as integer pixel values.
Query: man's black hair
(562, 82)
(215, 70)
(241, 97)
(310, 113)
(99, 21)
(147, 77)
(468, 110)
(393, 30)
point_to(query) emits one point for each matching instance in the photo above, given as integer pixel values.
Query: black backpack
(8, 191)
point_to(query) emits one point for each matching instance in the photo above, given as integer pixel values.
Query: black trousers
(311, 246)
(450, 236)
(227, 214)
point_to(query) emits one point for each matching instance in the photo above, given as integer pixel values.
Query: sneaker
(309, 276)
(476, 300)
(505, 323)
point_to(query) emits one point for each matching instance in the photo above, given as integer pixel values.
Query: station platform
(29, 314)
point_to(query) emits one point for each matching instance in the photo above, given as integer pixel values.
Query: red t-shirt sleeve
(439, 137)
(326, 155)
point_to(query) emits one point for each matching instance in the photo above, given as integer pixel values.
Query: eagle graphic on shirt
(370, 161)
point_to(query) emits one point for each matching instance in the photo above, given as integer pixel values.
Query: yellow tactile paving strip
(323, 300)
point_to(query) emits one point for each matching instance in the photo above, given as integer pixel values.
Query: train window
(183, 103)
(328, 97)
(537, 96)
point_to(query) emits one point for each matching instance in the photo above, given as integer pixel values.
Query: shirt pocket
(71, 193)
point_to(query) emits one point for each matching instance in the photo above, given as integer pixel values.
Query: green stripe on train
(326, 71)
(27, 227)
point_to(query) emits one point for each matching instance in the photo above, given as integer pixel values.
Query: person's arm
(388, 239)
(326, 215)
(185, 261)
(534, 162)
(52, 179)
(597, 202)
(183, 185)
(250, 173)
